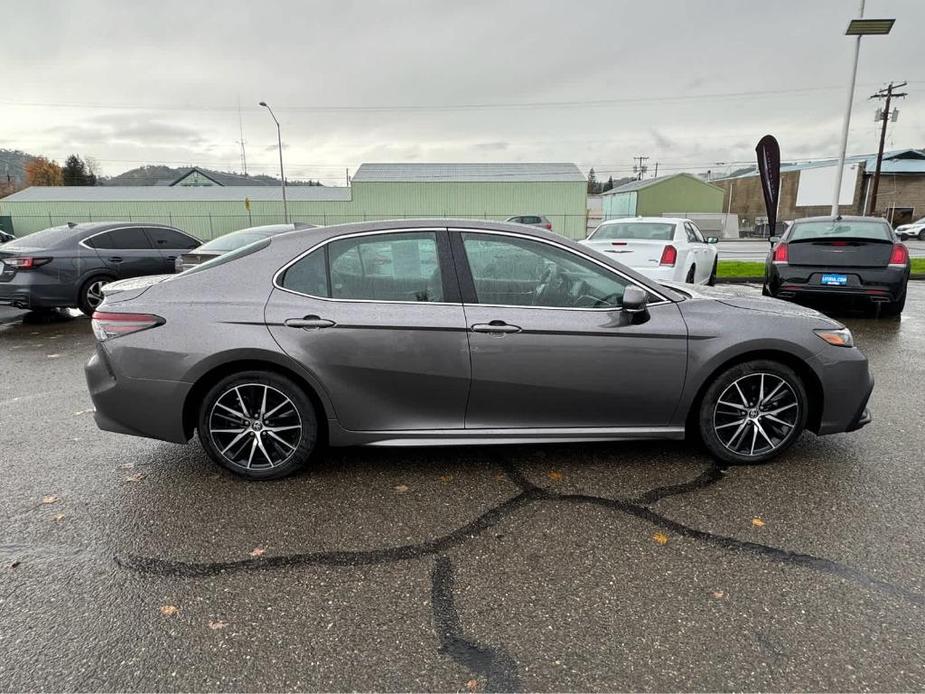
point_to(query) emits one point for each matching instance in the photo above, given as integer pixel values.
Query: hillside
(154, 174)
(13, 164)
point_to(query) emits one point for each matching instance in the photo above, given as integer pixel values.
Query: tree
(592, 182)
(608, 185)
(76, 173)
(42, 172)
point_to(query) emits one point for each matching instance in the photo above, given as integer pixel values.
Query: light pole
(282, 175)
(858, 28)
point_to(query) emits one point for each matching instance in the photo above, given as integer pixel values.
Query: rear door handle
(308, 323)
(115, 258)
(496, 327)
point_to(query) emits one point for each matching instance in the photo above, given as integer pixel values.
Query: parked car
(662, 248)
(6, 236)
(533, 220)
(916, 230)
(67, 266)
(856, 258)
(232, 241)
(764, 231)
(471, 333)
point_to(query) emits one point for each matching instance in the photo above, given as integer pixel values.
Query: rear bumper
(23, 292)
(875, 285)
(135, 406)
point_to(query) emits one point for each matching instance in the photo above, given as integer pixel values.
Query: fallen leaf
(660, 538)
(501, 477)
(554, 475)
(446, 478)
(757, 522)
(169, 610)
(58, 517)
(137, 477)
(49, 499)
(217, 624)
(401, 488)
(718, 594)
(472, 685)
(258, 551)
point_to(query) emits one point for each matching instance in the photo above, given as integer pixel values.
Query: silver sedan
(437, 332)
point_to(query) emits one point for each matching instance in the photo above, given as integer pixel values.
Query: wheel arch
(217, 372)
(811, 382)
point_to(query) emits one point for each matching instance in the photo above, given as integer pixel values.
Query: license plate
(835, 280)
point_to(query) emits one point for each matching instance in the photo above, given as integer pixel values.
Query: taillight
(109, 325)
(900, 256)
(669, 256)
(549, 226)
(781, 254)
(26, 262)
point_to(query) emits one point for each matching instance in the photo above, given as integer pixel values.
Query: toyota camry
(436, 332)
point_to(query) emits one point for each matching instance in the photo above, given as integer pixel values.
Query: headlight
(839, 338)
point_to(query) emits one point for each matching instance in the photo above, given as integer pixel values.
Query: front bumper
(847, 385)
(135, 406)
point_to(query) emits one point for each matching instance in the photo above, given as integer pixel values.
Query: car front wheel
(752, 412)
(258, 424)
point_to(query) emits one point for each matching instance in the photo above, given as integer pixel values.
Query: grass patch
(732, 269)
(739, 268)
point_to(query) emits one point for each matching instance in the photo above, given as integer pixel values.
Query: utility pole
(884, 115)
(640, 167)
(656, 170)
(242, 140)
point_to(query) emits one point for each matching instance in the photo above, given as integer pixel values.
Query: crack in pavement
(639, 507)
(494, 664)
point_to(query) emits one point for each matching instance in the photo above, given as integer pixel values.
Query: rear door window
(170, 239)
(120, 239)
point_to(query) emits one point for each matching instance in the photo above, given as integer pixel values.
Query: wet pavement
(128, 564)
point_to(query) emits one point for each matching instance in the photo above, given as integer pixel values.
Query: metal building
(679, 194)
(378, 191)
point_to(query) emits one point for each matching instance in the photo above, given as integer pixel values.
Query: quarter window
(309, 275)
(171, 239)
(519, 272)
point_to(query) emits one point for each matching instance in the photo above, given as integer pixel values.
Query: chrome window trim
(527, 237)
(139, 225)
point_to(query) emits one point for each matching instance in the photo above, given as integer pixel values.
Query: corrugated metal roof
(638, 185)
(173, 193)
(898, 161)
(557, 172)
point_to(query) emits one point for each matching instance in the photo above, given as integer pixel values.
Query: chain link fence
(209, 226)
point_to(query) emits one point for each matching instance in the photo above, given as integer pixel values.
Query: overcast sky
(688, 83)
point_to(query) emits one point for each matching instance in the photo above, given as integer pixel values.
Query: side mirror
(712, 239)
(774, 239)
(635, 299)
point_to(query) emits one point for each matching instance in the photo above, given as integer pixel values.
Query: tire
(691, 274)
(765, 291)
(745, 444)
(921, 235)
(90, 295)
(894, 308)
(711, 282)
(258, 447)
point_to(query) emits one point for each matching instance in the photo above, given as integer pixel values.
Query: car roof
(841, 218)
(667, 220)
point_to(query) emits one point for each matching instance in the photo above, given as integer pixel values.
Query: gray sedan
(229, 242)
(436, 332)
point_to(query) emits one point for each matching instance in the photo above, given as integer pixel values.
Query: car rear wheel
(922, 235)
(712, 281)
(258, 424)
(91, 294)
(894, 308)
(752, 412)
(690, 274)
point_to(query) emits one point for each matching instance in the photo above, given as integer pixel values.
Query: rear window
(46, 238)
(229, 257)
(813, 231)
(641, 231)
(229, 242)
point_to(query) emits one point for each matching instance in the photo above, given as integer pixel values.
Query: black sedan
(67, 266)
(856, 258)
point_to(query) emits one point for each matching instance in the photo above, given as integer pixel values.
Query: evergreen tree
(75, 172)
(608, 185)
(592, 182)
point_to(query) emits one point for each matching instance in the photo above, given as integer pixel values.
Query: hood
(123, 290)
(744, 297)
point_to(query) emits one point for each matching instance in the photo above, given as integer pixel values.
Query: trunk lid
(635, 252)
(840, 252)
(132, 288)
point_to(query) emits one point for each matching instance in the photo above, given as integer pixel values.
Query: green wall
(565, 204)
(681, 194)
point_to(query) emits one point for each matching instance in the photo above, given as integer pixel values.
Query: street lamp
(857, 27)
(282, 176)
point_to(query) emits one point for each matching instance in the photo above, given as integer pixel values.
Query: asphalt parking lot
(130, 564)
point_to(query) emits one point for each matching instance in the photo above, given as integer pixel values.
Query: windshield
(43, 239)
(230, 242)
(648, 231)
(820, 231)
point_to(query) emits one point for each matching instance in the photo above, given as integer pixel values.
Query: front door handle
(496, 327)
(308, 323)
(115, 258)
